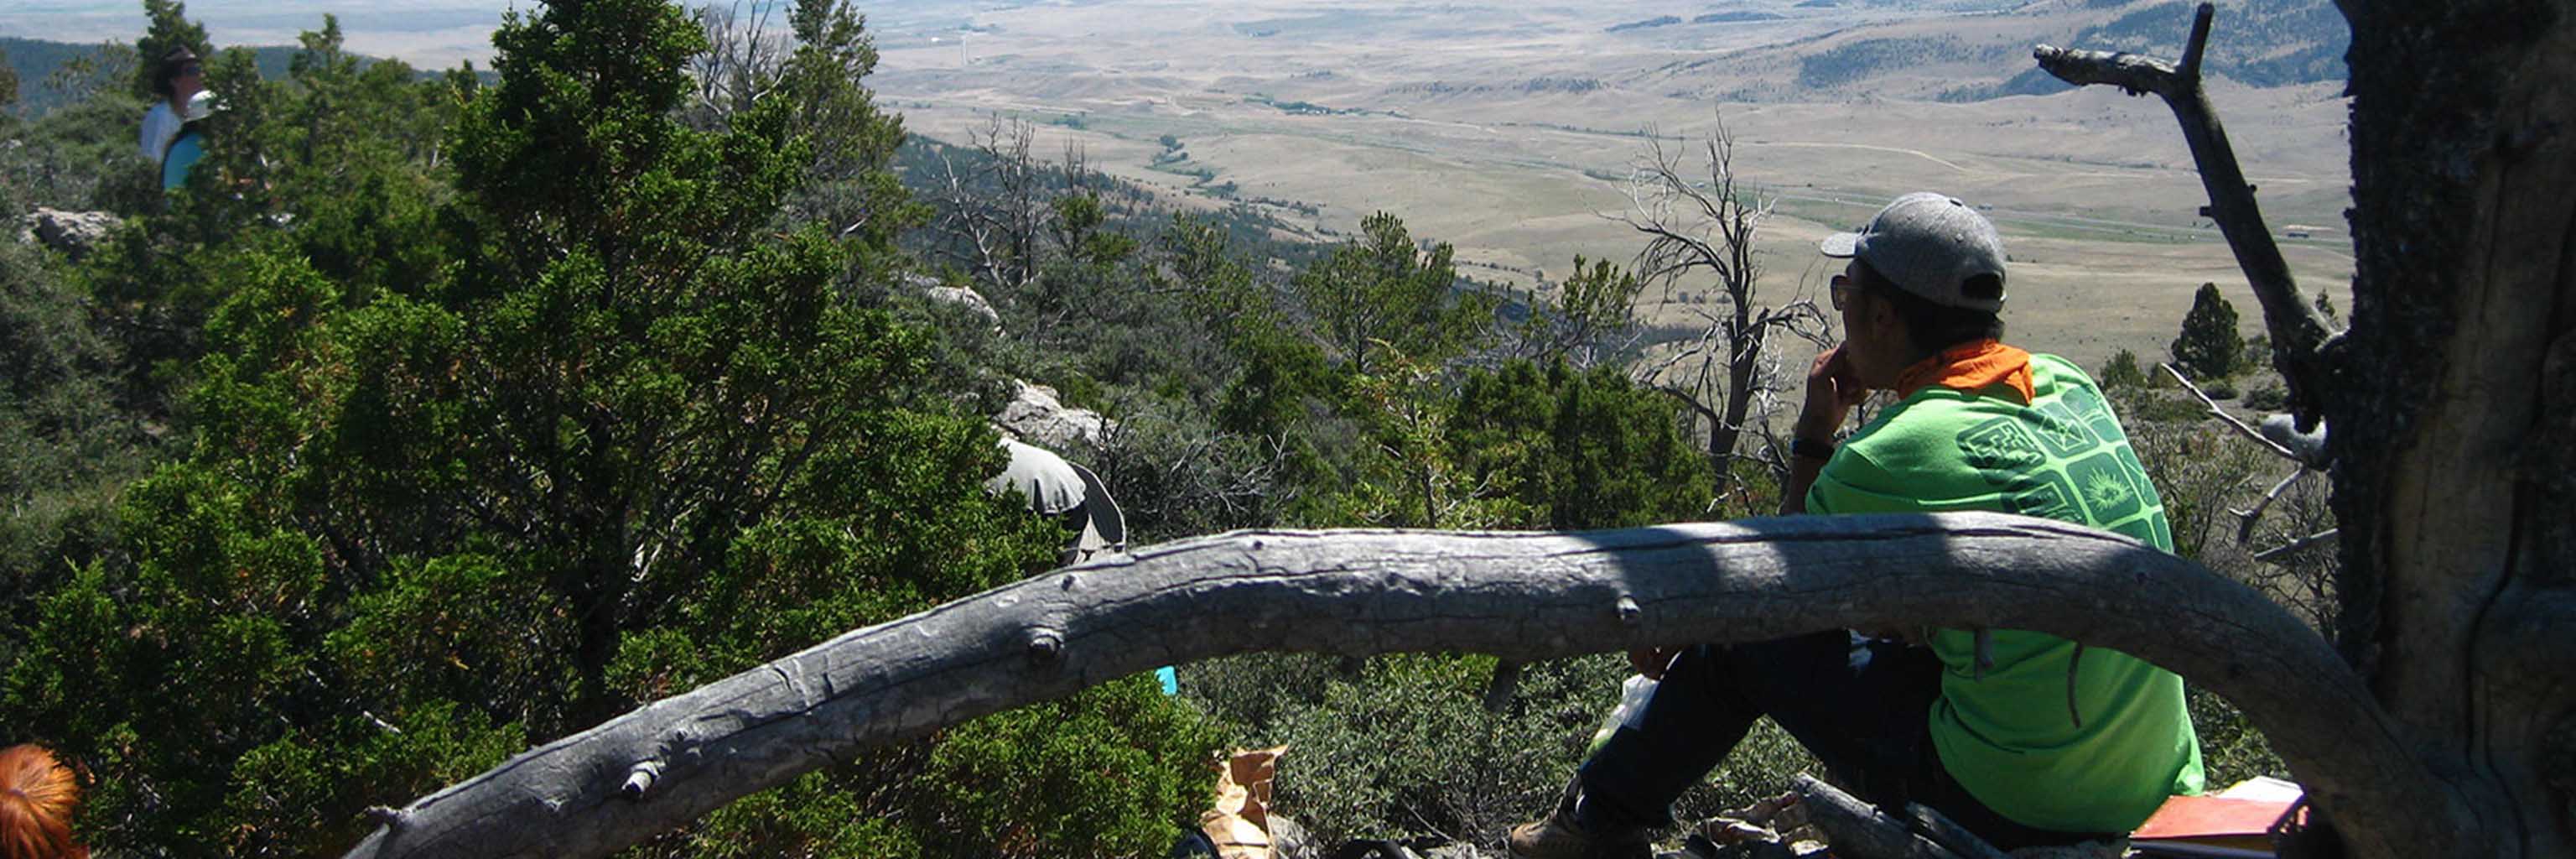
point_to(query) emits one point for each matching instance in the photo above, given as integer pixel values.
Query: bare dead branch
(2231, 420)
(2245, 519)
(2135, 74)
(1521, 596)
(740, 65)
(2299, 332)
(2276, 552)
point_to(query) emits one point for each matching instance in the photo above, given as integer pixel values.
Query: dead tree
(1700, 233)
(994, 209)
(2452, 399)
(2299, 331)
(2442, 720)
(739, 66)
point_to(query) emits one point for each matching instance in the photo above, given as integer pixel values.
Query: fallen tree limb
(1521, 596)
(2299, 332)
(1860, 831)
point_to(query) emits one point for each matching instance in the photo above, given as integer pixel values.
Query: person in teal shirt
(2052, 743)
(190, 144)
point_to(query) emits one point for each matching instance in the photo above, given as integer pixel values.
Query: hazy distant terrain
(1506, 128)
(425, 33)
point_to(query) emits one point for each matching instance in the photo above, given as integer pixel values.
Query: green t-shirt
(2009, 738)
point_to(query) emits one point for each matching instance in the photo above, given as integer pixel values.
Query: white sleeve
(160, 126)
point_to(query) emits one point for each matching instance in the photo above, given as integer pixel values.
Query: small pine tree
(1383, 292)
(2209, 346)
(1592, 311)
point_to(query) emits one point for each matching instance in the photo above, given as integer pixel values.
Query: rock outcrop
(969, 299)
(957, 295)
(73, 233)
(1037, 417)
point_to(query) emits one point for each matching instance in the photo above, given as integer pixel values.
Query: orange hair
(36, 798)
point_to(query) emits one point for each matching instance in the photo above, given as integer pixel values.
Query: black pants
(1861, 705)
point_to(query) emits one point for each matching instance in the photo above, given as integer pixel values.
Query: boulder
(957, 295)
(73, 233)
(1036, 416)
(968, 299)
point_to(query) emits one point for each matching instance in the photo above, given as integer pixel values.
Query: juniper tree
(1381, 293)
(501, 461)
(2209, 347)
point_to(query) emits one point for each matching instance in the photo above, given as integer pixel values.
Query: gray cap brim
(1102, 521)
(1842, 245)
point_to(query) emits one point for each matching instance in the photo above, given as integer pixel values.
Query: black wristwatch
(1811, 448)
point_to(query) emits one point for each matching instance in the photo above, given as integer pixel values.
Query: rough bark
(2452, 440)
(1517, 595)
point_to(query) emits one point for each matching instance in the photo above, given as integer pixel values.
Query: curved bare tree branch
(2299, 333)
(1521, 596)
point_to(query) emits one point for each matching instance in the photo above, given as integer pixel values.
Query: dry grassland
(1459, 119)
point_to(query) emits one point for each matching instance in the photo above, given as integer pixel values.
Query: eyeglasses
(191, 70)
(1842, 289)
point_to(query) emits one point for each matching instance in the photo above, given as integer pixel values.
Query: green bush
(1117, 770)
(1402, 746)
(2122, 372)
(2256, 357)
(1579, 449)
(2268, 397)
(2156, 405)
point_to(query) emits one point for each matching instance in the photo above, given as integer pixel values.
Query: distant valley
(1509, 130)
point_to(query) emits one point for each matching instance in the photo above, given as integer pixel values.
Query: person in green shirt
(2051, 742)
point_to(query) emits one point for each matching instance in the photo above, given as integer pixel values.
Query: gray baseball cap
(1931, 245)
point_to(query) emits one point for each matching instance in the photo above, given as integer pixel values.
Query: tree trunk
(1519, 596)
(2454, 428)
(1745, 356)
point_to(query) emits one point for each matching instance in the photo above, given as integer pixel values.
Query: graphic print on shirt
(2066, 459)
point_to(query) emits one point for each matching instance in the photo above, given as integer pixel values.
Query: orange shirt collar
(1970, 367)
